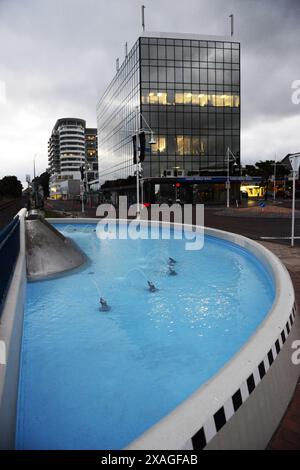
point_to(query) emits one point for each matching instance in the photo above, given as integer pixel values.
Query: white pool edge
(11, 328)
(208, 418)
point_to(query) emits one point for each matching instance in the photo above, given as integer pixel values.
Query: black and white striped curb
(213, 425)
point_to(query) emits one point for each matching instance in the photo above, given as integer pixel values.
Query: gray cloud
(57, 57)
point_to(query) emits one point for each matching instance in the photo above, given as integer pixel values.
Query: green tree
(250, 170)
(10, 186)
(43, 180)
(265, 169)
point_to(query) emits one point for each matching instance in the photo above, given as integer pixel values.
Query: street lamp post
(274, 185)
(35, 186)
(228, 160)
(82, 199)
(82, 185)
(151, 142)
(136, 133)
(86, 181)
(293, 209)
(137, 167)
(295, 163)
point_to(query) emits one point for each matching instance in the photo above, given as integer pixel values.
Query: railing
(9, 251)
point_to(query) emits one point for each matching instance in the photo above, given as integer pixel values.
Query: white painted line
(210, 429)
(228, 408)
(244, 391)
(278, 238)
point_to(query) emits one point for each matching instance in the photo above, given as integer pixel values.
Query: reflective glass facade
(188, 90)
(117, 119)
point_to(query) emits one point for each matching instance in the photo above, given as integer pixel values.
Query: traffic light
(134, 150)
(142, 139)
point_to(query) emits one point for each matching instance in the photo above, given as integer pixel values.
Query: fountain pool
(98, 380)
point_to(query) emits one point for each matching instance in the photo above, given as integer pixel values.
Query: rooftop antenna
(126, 50)
(232, 23)
(117, 65)
(143, 17)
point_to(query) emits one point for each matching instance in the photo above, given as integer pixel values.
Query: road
(252, 227)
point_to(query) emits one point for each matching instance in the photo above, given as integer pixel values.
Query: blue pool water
(94, 380)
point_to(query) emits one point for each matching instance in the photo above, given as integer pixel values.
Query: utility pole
(143, 18)
(228, 180)
(35, 186)
(293, 209)
(274, 186)
(295, 163)
(232, 23)
(82, 183)
(137, 167)
(228, 153)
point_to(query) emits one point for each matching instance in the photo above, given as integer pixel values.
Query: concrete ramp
(48, 252)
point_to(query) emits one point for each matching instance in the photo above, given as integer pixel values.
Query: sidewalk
(287, 436)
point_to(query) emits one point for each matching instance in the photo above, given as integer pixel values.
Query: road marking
(278, 238)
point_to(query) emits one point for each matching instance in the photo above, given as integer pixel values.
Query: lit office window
(198, 146)
(218, 100)
(203, 99)
(180, 145)
(183, 145)
(196, 99)
(160, 145)
(154, 97)
(236, 101)
(227, 100)
(162, 97)
(187, 98)
(179, 98)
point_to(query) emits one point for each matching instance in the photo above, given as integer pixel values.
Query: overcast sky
(57, 57)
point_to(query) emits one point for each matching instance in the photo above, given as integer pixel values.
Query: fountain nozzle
(104, 307)
(152, 287)
(172, 271)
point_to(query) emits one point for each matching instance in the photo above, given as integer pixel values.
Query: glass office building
(187, 88)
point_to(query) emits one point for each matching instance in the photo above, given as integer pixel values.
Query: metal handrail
(9, 252)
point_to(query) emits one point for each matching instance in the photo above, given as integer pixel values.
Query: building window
(183, 145)
(198, 146)
(190, 145)
(160, 145)
(154, 97)
(196, 99)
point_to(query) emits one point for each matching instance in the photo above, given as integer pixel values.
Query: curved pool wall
(242, 405)
(240, 408)
(11, 326)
